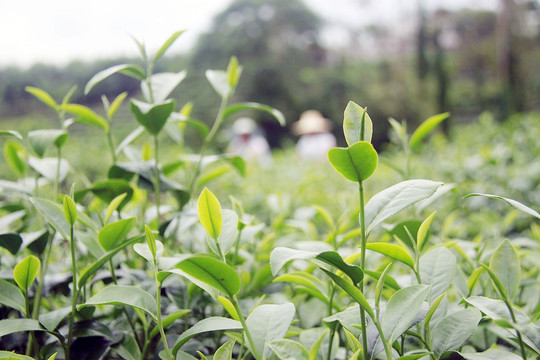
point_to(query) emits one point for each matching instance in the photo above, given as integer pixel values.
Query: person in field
(315, 136)
(249, 143)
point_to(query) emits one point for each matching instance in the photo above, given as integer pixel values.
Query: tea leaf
(454, 330)
(353, 291)
(505, 265)
(356, 163)
(52, 319)
(229, 307)
(10, 326)
(53, 214)
(425, 128)
(423, 230)
(13, 153)
(267, 323)
(219, 81)
(11, 296)
(168, 320)
(145, 251)
(357, 125)
(212, 272)
(414, 356)
(11, 241)
(47, 167)
(40, 140)
(26, 271)
(167, 44)
(116, 104)
(210, 214)
(227, 237)
(233, 72)
(286, 349)
(513, 203)
(402, 309)
(161, 85)
(496, 309)
(234, 108)
(491, 354)
(225, 351)
(11, 133)
(70, 210)
(43, 96)
(396, 198)
(10, 355)
(437, 268)
(214, 323)
(130, 70)
(123, 295)
(86, 116)
(132, 136)
(112, 234)
(152, 116)
(393, 251)
(113, 205)
(434, 305)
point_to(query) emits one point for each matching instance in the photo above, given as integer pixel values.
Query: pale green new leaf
(357, 125)
(425, 128)
(210, 214)
(70, 210)
(116, 104)
(130, 70)
(227, 237)
(40, 140)
(211, 272)
(234, 108)
(353, 291)
(26, 271)
(356, 163)
(506, 266)
(167, 44)
(53, 214)
(86, 116)
(43, 96)
(393, 251)
(219, 81)
(114, 233)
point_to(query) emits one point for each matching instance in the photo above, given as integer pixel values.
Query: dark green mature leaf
(496, 309)
(10, 326)
(353, 291)
(437, 268)
(210, 214)
(11, 241)
(107, 190)
(234, 108)
(396, 198)
(402, 309)
(267, 323)
(112, 234)
(167, 44)
(123, 295)
(505, 265)
(13, 153)
(40, 140)
(209, 324)
(491, 354)
(454, 330)
(152, 116)
(86, 116)
(52, 319)
(43, 96)
(212, 272)
(396, 252)
(513, 203)
(281, 256)
(357, 125)
(356, 163)
(11, 296)
(161, 85)
(26, 271)
(131, 70)
(425, 128)
(53, 214)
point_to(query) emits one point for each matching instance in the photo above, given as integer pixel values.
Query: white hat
(244, 126)
(311, 121)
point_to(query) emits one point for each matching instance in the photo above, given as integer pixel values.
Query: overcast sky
(59, 31)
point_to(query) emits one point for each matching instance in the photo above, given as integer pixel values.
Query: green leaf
(40, 140)
(162, 85)
(415, 356)
(147, 253)
(229, 307)
(43, 96)
(151, 241)
(10, 326)
(491, 354)
(353, 291)
(108, 190)
(437, 268)
(11, 296)
(26, 271)
(307, 281)
(86, 116)
(513, 203)
(267, 323)
(210, 214)
(286, 349)
(52, 319)
(7, 355)
(506, 266)
(357, 125)
(393, 251)
(233, 72)
(219, 81)
(11, 133)
(214, 323)
(168, 320)
(11, 241)
(132, 136)
(123, 295)
(234, 108)
(281, 256)
(434, 305)
(130, 70)
(225, 351)
(112, 234)
(113, 205)
(167, 44)
(212, 272)
(14, 155)
(116, 104)
(47, 167)
(401, 310)
(454, 330)
(396, 198)
(70, 210)
(152, 116)
(227, 237)
(356, 163)
(423, 230)
(496, 309)
(425, 128)
(53, 214)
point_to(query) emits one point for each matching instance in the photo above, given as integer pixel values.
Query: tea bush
(138, 258)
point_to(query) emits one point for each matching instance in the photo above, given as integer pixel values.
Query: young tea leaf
(233, 72)
(356, 163)
(423, 230)
(513, 203)
(505, 265)
(151, 241)
(212, 272)
(210, 214)
(26, 271)
(115, 105)
(86, 116)
(167, 44)
(219, 81)
(14, 155)
(393, 251)
(130, 70)
(234, 108)
(214, 323)
(357, 125)
(225, 351)
(113, 205)
(425, 128)
(286, 349)
(114, 233)
(123, 295)
(40, 140)
(227, 237)
(152, 116)
(161, 85)
(43, 96)
(70, 210)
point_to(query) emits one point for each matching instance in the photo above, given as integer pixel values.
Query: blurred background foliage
(462, 61)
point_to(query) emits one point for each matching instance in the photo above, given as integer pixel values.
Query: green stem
(520, 339)
(57, 175)
(159, 322)
(111, 146)
(387, 347)
(156, 176)
(254, 351)
(362, 266)
(32, 343)
(427, 340)
(74, 290)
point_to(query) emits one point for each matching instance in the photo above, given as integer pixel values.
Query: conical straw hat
(311, 121)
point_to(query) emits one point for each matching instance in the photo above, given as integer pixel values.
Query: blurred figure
(315, 136)
(249, 143)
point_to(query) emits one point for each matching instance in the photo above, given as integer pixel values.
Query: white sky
(58, 31)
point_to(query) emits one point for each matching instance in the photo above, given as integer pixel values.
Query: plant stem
(254, 351)
(57, 175)
(156, 176)
(74, 291)
(387, 347)
(520, 339)
(111, 146)
(158, 318)
(362, 266)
